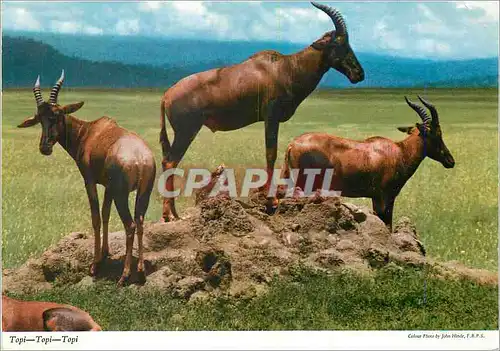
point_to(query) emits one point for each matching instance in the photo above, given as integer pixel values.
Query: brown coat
(20, 315)
(376, 167)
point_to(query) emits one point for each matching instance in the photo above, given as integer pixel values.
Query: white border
(252, 340)
(262, 340)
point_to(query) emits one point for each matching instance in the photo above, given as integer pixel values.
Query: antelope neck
(307, 68)
(413, 152)
(72, 133)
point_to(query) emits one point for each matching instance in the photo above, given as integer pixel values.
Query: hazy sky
(461, 29)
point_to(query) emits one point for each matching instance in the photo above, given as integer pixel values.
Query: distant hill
(23, 59)
(475, 82)
(104, 61)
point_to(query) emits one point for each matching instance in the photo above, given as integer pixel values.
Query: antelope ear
(72, 107)
(28, 122)
(406, 130)
(64, 319)
(322, 43)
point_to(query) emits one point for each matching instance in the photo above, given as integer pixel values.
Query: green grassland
(391, 300)
(455, 211)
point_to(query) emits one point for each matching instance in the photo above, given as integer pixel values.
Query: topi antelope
(375, 168)
(105, 154)
(267, 87)
(20, 315)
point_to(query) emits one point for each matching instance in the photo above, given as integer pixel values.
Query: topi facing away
(375, 168)
(267, 87)
(18, 316)
(105, 154)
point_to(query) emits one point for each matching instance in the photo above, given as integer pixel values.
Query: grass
(307, 301)
(456, 211)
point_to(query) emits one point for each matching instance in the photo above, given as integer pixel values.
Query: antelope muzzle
(353, 69)
(448, 160)
(46, 147)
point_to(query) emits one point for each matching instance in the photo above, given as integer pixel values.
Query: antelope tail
(165, 143)
(163, 131)
(285, 170)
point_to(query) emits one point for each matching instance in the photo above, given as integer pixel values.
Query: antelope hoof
(141, 278)
(124, 280)
(168, 218)
(173, 218)
(271, 210)
(94, 269)
(271, 206)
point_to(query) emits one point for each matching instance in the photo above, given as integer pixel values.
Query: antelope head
(50, 115)
(430, 130)
(335, 45)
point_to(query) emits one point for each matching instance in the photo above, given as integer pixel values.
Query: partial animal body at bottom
(18, 315)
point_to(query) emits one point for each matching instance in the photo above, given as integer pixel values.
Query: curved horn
(419, 110)
(338, 20)
(37, 92)
(432, 108)
(55, 90)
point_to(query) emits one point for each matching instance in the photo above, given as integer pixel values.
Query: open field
(306, 301)
(455, 210)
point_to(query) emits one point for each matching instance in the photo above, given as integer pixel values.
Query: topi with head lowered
(31, 316)
(105, 154)
(267, 87)
(375, 168)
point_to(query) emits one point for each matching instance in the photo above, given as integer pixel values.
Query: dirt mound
(225, 246)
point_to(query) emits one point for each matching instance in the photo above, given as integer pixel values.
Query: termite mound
(226, 246)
